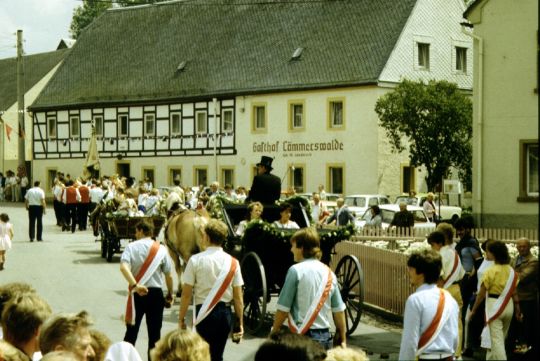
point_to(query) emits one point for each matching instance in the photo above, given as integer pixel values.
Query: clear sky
(44, 23)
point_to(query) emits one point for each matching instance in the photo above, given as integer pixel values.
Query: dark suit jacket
(344, 217)
(403, 219)
(266, 188)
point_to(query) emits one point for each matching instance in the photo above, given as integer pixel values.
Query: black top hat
(266, 161)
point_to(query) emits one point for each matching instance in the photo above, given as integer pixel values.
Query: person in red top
(82, 208)
(70, 197)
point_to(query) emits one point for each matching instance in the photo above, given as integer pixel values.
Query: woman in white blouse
(255, 210)
(285, 222)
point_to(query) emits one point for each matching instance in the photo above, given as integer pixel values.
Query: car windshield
(332, 197)
(355, 201)
(388, 215)
(411, 201)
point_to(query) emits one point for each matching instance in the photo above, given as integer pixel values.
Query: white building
(294, 80)
(505, 112)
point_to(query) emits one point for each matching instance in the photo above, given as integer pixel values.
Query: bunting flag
(8, 131)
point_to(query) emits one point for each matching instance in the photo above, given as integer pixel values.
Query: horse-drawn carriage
(265, 257)
(118, 227)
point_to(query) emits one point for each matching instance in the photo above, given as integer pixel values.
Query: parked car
(330, 201)
(387, 213)
(447, 213)
(359, 203)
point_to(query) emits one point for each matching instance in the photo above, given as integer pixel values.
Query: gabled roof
(36, 66)
(230, 47)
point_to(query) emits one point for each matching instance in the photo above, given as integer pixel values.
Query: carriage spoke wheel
(255, 292)
(351, 283)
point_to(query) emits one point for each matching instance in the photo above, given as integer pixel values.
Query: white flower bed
(407, 247)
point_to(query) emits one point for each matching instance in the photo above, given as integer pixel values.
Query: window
(461, 59)
(227, 176)
(335, 112)
(122, 125)
(176, 120)
(200, 122)
(201, 176)
(259, 117)
(296, 116)
(149, 125)
(227, 120)
(335, 179)
(98, 125)
(74, 127)
(407, 179)
(297, 178)
(529, 170)
(150, 174)
(175, 173)
(423, 56)
(51, 128)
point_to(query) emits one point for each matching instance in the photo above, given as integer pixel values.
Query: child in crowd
(6, 235)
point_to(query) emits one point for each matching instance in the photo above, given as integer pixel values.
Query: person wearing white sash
(143, 264)
(214, 279)
(452, 271)
(309, 293)
(498, 288)
(430, 321)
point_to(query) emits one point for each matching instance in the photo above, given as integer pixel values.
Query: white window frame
(99, 131)
(332, 114)
(122, 117)
(259, 122)
(198, 124)
(74, 124)
(51, 126)
(227, 125)
(461, 60)
(528, 169)
(331, 168)
(224, 171)
(149, 121)
(173, 115)
(423, 55)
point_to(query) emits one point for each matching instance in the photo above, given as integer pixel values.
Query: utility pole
(20, 103)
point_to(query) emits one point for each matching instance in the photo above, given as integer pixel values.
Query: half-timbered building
(202, 89)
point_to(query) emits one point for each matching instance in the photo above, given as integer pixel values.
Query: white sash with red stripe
(148, 268)
(439, 320)
(498, 307)
(320, 298)
(454, 274)
(223, 282)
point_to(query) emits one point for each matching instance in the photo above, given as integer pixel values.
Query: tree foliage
(84, 14)
(434, 122)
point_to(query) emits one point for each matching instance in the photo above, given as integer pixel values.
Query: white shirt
(24, 182)
(288, 225)
(96, 194)
(202, 271)
(420, 309)
(35, 196)
(481, 270)
(448, 256)
(136, 253)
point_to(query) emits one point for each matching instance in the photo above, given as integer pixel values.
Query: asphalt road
(68, 271)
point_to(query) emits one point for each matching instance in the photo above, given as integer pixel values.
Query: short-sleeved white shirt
(203, 269)
(136, 253)
(35, 196)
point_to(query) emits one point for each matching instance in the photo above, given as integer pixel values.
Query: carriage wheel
(111, 246)
(103, 246)
(255, 292)
(351, 283)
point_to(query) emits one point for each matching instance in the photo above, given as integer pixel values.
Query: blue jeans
(215, 329)
(321, 336)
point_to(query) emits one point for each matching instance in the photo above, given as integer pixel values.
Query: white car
(421, 222)
(359, 203)
(447, 213)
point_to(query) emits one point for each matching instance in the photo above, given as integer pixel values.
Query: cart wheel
(255, 292)
(110, 248)
(103, 246)
(351, 283)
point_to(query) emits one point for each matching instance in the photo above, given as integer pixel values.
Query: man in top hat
(266, 187)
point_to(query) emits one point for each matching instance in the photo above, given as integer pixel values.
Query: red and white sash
(498, 307)
(439, 320)
(320, 298)
(223, 282)
(150, 265)
(454, 274)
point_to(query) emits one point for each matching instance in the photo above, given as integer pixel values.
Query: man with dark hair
(217, 280)
(68, 332)
(266, 187)
(430, 321)
(34, 200)
(290, 346)
(142, 264)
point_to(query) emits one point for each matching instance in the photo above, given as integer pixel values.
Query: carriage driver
(266, 187)
(309, 293)
(142, 264)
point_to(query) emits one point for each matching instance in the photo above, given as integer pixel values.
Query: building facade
(505, 126)
(295, 81)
